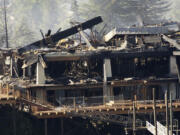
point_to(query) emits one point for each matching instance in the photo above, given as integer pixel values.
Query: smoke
(174, 13)
(26, 18)
(140, 21)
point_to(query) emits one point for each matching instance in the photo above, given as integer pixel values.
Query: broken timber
(63, 34)
(117, 108)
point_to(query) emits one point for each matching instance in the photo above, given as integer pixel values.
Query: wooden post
(62, 127)
(171, 114)
(14, 120)
(177, 131)
(28, 95)
(11, 67)
(154, 109)
(45, 126)
(134, 118)
(74, 102)
(111, 93)
(135, 100)
(1, 87)
(24, 71)
(83, 101)
(7, 89)
(14, 95)
(167, 117)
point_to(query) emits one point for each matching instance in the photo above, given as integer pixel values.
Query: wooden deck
(125, 107)
(7, 99)
(121, 108)
(44, 110)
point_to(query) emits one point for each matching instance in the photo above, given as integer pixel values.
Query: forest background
(26, 17)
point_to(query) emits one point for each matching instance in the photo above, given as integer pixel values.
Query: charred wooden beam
(118, 83)
(118, 109)
(105, 54)
(171, 41)
(64, 34)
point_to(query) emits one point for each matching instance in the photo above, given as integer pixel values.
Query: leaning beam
(64, 34)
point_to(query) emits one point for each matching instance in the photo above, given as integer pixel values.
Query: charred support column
(177, 66)
(41, 95)
(62, 127)
(107, 74)
(29, 71)
(40, 74)
(171, 114)
(172, 90)
(167, 117)
(134, 118)
(154, 107)
(45, 127)
(14, 119)
(40, 79)
(24, 70)
(11, 67)
(173, 65)
(7, 63)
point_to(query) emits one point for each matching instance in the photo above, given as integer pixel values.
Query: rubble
(126, 66)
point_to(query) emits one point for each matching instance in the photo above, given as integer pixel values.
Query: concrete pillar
(173, 66)
(172, 89)
(40, 74)
(8, 60)
(107, 69)
(107, 90)
(41, 96)
(107, 93)
(29, 72)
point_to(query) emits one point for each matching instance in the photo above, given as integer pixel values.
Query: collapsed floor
(62, 75)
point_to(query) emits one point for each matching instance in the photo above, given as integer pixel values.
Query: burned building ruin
(67, 75)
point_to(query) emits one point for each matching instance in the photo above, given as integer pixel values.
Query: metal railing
(80, 102)
(100, 100)
(87, 103)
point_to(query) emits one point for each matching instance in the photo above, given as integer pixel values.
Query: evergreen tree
(120, 12)
(29, 16)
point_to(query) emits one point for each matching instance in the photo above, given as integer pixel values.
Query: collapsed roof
(145, 30)
(63, 34)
